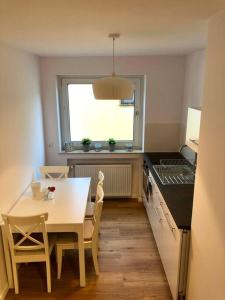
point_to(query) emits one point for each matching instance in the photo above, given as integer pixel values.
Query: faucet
(193, 161)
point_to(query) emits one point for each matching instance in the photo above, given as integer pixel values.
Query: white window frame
(63, 103)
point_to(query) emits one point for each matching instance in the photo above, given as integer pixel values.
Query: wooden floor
(130, 266)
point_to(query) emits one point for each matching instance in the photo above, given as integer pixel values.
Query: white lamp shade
(113, 88)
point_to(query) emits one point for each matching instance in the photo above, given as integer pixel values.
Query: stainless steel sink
(175, 174)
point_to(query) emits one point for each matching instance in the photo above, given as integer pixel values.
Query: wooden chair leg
(48, 273)
(56, 258)
(15, 277)
(59, 261)
(95, 259)
(98, 245)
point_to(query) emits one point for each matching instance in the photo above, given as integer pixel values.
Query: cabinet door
(156, 221)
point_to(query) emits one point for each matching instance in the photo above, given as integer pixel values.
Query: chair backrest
(58, 171)
(23, 228)
(101, 178)
(99, 191)
(97, 213)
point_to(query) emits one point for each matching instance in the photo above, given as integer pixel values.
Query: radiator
(117, 181)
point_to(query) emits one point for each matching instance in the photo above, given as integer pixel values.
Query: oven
(147, 184)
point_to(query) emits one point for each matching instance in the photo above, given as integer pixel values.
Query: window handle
(137, 114)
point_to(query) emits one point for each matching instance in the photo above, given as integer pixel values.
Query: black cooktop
(179, 198)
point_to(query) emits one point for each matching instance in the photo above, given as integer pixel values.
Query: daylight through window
(98, 120)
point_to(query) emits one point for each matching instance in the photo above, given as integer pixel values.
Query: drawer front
(155, 221)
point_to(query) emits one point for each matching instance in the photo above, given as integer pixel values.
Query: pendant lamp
(113, 87)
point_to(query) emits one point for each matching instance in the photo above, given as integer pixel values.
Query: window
(82, 116)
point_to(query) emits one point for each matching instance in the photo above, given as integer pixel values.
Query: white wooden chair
(101, 178)
(58, 171)
(66, 241)
(27, 246)
(91, 205)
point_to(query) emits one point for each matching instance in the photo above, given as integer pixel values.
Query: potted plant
(112, 144)
(86, 144)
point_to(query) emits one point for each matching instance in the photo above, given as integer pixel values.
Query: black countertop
(178, 197)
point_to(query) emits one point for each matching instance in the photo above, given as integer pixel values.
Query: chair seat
(90, 210)
(71, 238)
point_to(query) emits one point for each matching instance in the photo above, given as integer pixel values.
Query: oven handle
(144, 171)
(149, 185)
(149, 182)
(145, 178)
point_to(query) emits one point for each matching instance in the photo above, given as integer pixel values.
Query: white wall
(21, 143)
(193, 85)
(165, 77)
(207, 257)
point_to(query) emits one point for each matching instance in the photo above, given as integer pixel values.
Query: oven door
(147, 185)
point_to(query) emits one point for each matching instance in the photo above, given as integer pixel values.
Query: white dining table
(66, 213)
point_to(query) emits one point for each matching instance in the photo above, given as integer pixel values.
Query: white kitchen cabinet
(169, 248)
(170, 241)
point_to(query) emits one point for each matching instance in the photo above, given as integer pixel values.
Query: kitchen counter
(178, 197)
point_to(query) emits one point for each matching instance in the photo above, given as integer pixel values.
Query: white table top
(66, 210)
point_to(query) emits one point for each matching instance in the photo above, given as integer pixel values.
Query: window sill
(102, 152)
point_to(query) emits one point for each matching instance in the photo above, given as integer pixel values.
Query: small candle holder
(36, 190)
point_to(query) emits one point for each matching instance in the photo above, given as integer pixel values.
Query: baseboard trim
(137, 196)
(4, 292)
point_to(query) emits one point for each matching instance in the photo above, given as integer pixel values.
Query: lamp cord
(113, 74)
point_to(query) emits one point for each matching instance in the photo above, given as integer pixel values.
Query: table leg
(7, 258)
(81, 256)
(89, 194)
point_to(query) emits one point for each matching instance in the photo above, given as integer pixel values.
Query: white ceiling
(81, 27)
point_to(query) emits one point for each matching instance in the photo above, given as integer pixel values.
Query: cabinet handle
(173, 229)
(158, 214)
(167, 218)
